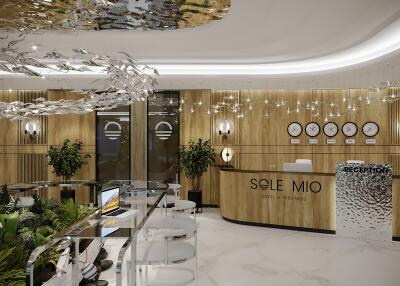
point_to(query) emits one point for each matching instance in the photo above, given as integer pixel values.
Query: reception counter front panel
(279, 199)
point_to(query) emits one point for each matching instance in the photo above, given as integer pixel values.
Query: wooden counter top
(277, 172)
(282, 172)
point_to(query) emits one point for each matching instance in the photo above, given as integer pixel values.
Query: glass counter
(137, 198)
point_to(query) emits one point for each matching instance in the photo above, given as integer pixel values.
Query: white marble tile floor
(238, 255)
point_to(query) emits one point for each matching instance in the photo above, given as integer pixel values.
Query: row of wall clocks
(331, 129)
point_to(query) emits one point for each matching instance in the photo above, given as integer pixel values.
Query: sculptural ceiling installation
(125, 81)
(112, 14)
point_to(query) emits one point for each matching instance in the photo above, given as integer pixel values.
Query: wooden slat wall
(196, 125)
(262, 143)
(8, 143)
(30, 96)
(73, 127)
(31, 167)
(23, 160)
(394, 131)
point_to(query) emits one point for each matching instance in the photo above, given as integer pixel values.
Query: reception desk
(302, 201)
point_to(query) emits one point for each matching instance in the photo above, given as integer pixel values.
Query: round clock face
(349, 129)
(312, 129)
(331, 129)
(370, 129)
(295, 129)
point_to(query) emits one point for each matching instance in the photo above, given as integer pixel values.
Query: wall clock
(349, 129)
(331, 129)
(295, 129)
(312, 129)
(370, 129)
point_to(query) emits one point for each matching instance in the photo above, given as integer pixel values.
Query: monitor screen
(109, 200)
(107, 231)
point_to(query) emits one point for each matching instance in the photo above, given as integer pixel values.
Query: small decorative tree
(67, 160)
(195, 159)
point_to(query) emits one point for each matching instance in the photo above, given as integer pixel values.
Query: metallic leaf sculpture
(30, 15)
(125, 82)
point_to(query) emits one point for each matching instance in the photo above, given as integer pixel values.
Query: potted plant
(66, 161)
(194, 160)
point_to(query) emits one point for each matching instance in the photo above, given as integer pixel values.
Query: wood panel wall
(23, 160)
(260, 139)
(139, 140)
(196, 123)
(8, 143)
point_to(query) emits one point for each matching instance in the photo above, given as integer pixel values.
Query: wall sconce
(31, 128)
(224, 129)
(227, 154)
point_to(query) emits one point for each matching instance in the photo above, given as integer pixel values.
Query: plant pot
(196, 197)
(67, 193)
(43, 274)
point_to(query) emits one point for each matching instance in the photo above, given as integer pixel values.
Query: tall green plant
(194, 160)
(67, 160)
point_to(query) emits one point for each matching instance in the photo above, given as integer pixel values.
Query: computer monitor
(107, 231)
(109, 200)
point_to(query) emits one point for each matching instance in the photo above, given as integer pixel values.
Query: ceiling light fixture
(125, 82)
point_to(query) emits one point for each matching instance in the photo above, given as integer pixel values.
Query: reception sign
(364, 201)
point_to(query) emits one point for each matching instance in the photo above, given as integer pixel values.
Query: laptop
(110, 204)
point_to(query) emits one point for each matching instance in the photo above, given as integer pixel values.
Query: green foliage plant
(9, 224)
(70, 212)
(67, 159)
(39, 205)
(10, 275)
(195, 159)
(24, 230)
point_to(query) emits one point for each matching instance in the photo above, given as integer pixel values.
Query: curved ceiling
(284, 36)
(253, 31)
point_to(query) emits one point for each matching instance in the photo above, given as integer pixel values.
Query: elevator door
(113, 144)
(163, 137)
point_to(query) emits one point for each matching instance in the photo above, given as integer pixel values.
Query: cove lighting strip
(383, 43)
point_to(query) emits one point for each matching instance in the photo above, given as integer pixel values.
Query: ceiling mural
(28, 15)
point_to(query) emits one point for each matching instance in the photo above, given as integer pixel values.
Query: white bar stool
(177, 189)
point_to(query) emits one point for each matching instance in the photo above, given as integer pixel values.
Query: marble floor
(237, 255)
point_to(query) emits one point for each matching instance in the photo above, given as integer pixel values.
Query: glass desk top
(138, 206)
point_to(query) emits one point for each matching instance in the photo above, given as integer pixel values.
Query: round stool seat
(183, 205)
(173, 227)
(161, 204)
(164, 252)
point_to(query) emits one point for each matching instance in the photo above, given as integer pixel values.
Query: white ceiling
(257, 35)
